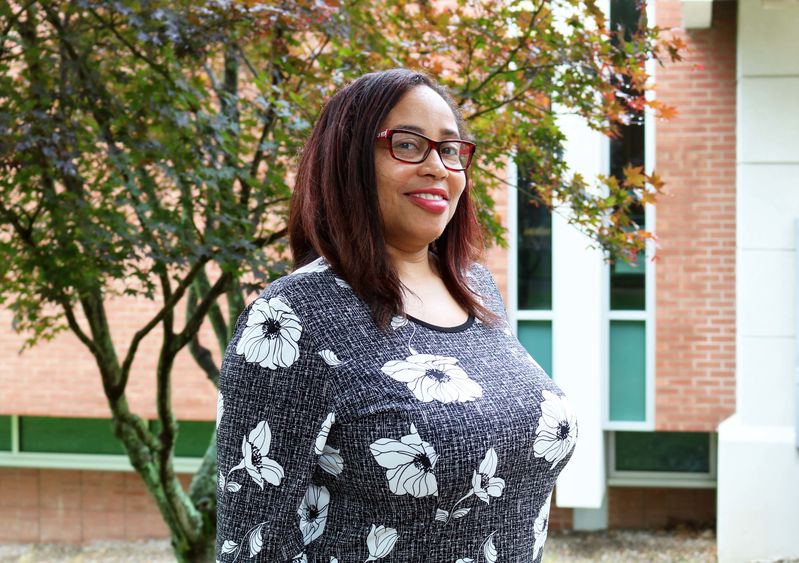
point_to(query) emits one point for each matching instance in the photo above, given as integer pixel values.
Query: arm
(274, 403)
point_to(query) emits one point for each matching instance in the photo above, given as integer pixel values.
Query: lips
(441, 192)
(432, 200)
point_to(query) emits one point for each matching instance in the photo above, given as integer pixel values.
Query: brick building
(680, 369)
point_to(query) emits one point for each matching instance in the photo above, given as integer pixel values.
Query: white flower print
(489, 550)
(220, 408)
(313, 512)
(330, 358)
(318, 265)
(271, 336)
(254, 449)
(556, 433)
(541, 525)
(410, 462)
(300, 557)
(331, 461)
(380, 542)
(398, 321)
(321, 439)
(484, 484)
(487, 547)
(432, 377)
(256, 541)
(229, 546)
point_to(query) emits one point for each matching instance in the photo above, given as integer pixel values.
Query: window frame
(648, 315)
(514, 314)
(664, 479)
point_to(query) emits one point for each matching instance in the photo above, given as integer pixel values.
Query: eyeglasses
(413, 148)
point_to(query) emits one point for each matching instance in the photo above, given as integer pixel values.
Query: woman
(374, 404)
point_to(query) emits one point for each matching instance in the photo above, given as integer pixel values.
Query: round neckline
(458, 328)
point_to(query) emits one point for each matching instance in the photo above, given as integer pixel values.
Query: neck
(411, 264)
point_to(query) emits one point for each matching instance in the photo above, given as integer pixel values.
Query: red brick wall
(496, 258)
(695, 310)
(60, 378)
(51, 505)
(658, 508)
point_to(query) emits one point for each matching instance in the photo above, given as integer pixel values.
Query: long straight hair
(335, 211)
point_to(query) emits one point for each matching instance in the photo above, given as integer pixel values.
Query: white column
(758, 461)
(579, 297)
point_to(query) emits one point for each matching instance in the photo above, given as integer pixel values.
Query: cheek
(456, 199)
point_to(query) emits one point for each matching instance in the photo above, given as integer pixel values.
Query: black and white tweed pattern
(338, 443)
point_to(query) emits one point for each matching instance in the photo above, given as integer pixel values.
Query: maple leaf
(633, 176)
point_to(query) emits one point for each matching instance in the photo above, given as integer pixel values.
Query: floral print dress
(340, 443)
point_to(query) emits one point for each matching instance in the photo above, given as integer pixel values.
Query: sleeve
(273, 412)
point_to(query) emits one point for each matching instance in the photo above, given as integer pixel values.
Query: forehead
(423, 109)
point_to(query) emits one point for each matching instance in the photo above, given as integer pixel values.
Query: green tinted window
(627, 371)
(95, 436)
(534, 254)
(5, 433)
(67, 435)
(663, 451)
(194, 436)
(536, 337)
(627, 283)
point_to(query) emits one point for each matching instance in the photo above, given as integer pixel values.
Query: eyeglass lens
(413, 148)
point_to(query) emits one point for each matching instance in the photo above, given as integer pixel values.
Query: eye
(406, 144)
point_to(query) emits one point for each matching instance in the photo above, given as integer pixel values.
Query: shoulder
(482, 282)
(480, 278)
(313, 281)
(312, 295)
(281, 324)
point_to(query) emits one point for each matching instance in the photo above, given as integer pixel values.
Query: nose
(433, 165)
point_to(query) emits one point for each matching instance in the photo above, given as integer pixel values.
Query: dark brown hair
(334, 207)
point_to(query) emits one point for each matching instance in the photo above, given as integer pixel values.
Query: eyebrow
(447, 133)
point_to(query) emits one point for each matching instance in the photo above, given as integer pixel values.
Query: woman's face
(411, 219)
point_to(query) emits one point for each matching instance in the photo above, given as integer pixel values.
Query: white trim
(667, 479)
(637, 425)
(94, 462)
(532, 315)
(14, 434)
(626, 315)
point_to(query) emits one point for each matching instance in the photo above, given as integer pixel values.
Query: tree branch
(202, 286)
(169, 305)
(200, 353)
(194, 323)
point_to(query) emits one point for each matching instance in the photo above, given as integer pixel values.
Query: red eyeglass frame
(431, 145)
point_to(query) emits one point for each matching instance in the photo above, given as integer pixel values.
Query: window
(662, 459)
(87, 443)
(5, 433)
(629, 397)
(531, 260)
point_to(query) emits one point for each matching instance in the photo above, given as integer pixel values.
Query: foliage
(146, 149)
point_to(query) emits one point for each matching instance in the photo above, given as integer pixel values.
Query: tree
(146, 150)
